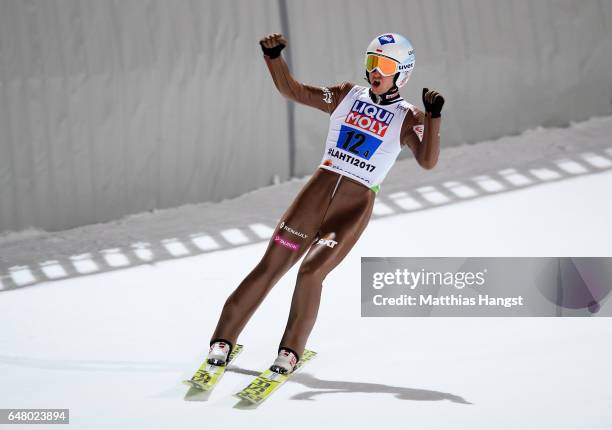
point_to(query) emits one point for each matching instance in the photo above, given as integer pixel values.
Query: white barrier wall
(114, 107)
(503, 66)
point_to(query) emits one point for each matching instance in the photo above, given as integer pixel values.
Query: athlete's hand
(273, 44)
(433, 102)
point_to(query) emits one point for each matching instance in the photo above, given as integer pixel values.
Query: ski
(268, 382)
(209, 375)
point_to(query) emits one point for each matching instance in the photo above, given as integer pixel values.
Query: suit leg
(339, 233)
(292, 237)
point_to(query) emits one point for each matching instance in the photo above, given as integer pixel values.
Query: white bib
(363, 140)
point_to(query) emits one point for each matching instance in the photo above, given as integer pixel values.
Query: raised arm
(322, 98)
(421, 131)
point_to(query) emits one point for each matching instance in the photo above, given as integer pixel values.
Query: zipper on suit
(336, 187)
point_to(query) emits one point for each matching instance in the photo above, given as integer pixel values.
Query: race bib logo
(364, 116)
(386, 38)
(350, 160)
(369, 117)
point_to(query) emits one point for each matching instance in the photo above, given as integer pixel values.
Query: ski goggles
(386, 66)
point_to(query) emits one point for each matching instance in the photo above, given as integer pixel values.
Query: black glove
(273, 44)
(433, 102)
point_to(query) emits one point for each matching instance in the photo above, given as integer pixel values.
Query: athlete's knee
(244, 302)
(231, 307)
(311, 271)
(235, 299)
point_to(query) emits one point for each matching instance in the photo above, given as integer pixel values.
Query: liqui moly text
(369, 117)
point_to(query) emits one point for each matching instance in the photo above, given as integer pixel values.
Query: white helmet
(396, 47)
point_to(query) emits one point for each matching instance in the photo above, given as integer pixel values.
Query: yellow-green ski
(268, 382)
(208, 375)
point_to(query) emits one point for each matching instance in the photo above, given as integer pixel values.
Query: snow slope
(114, 346)
(534, 158)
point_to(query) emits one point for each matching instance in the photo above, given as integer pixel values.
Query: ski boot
(218, 353)
(286, 362)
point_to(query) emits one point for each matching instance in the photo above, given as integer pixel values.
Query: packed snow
(107, 320)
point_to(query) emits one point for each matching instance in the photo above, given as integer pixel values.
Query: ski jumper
(333, 208)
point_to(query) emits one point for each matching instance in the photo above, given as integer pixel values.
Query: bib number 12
(357, 143)
(357, 140)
